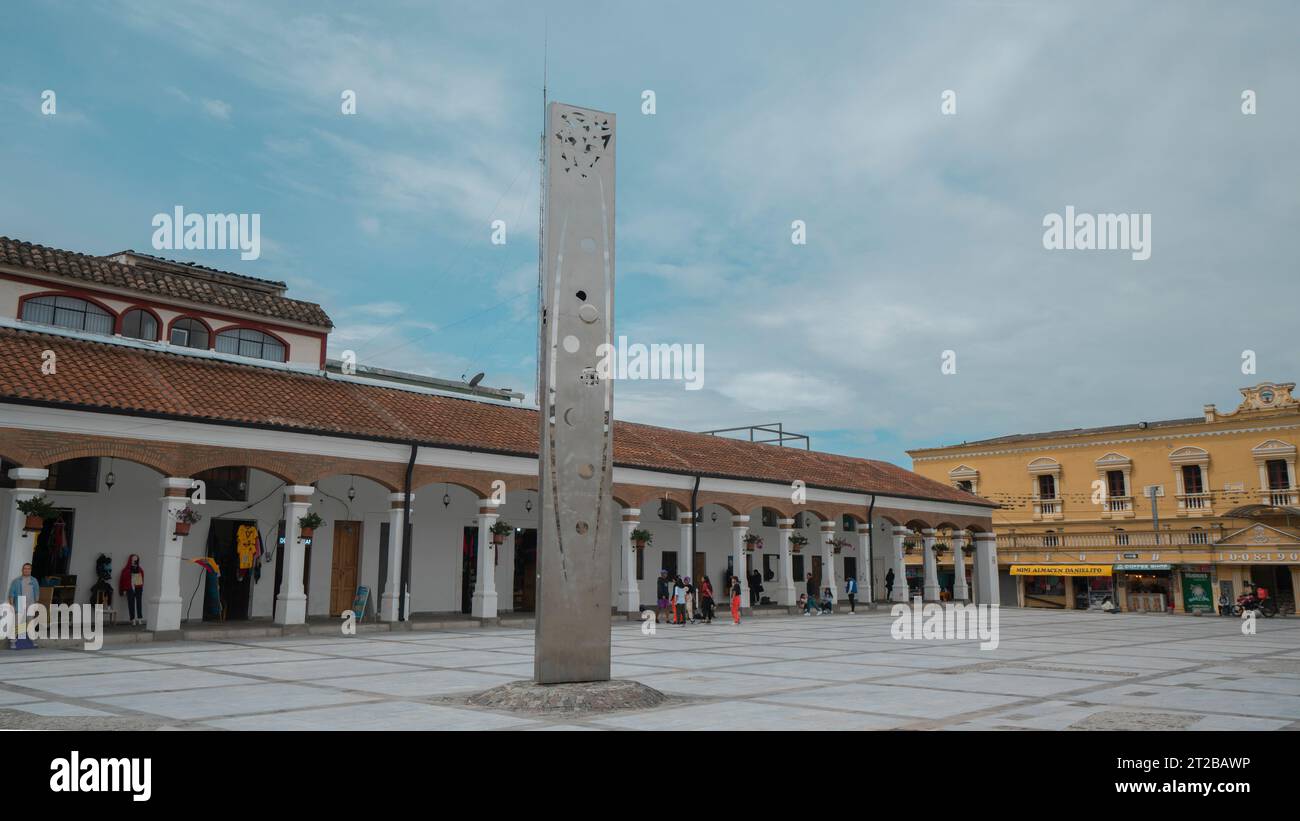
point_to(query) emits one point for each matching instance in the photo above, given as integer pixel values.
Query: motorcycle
(1266, 607)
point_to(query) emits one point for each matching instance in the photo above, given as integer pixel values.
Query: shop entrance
(526, 570)
(1276, 579)
(232, 597)
(697, 570)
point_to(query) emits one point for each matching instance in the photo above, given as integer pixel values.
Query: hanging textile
(246, 545)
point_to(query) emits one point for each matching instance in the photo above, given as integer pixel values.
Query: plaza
(1052, 670)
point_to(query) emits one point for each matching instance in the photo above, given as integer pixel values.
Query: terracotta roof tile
(106, 376)
(221, 289)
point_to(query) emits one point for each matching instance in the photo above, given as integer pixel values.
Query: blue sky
(924, 230)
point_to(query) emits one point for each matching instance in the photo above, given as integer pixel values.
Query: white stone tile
(389, 715)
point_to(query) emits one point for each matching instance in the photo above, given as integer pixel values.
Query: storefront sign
(1121, 568)
(1060, 570)
(1197, 593)
(1131, 555)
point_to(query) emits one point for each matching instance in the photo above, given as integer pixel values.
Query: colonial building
(136, 390)
(1155, 514)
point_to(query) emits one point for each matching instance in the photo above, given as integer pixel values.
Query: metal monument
(575, 397)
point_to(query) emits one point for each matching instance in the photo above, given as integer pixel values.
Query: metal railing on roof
(777, 428)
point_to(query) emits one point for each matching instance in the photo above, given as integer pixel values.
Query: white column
(828, 561)
(164, 612)
(986, 560)
(389, 601)
(629, 594)
(785, 589)
(19, 544)
(901, 534)
(960, 592)
(686, 557)
(930, 591)
(483, 604)
(739, 527)
(291, 604)
(864, 561)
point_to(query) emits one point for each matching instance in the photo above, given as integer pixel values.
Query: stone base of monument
(580, 697)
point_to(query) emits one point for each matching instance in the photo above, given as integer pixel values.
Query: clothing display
(131, 585)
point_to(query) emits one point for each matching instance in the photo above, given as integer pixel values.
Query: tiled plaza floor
(1052, 670)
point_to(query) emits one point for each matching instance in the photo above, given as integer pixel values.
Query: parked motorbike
(1266, 607)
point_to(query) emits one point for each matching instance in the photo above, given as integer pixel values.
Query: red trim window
(139, 323)
(68, 312)
(1047, 486)
(252, 343)
(188, 332)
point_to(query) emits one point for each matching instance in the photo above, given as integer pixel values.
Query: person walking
(755, 587)
(679, 601)
(706, 599)
(735, 599)
(851, 590)
(889, 584)
(24, 591)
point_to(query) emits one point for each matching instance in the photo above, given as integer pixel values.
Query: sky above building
(925, 229)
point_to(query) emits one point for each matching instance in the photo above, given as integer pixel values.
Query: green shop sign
(1136, 566)
(1197, 593)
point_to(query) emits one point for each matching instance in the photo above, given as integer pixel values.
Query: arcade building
(137, 393)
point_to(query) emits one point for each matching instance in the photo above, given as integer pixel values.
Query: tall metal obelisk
(576, 398)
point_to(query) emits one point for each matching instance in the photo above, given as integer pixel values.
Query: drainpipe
(406, 538)
(695, 522)
(871, 550)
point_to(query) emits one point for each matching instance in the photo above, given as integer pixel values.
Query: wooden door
(817, 573)
(345, 569)
(698, 571)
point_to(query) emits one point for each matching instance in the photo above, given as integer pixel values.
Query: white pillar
(960, 592)
(828, 561)
(483, 604)
(19, 544)
(785, 589)
(629, 594)
(986, 560)
(164, 612)
(686, 560)
(291, 604)
(864, 561)
(391, 598)
(901, 534)
(739, 527)
(930, 591)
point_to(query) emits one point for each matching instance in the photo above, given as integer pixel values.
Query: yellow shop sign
(1060, 570)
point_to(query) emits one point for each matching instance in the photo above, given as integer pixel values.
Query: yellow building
(1076, 523)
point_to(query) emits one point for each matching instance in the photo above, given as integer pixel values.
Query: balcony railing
(1119, 504)
(1280, 497)
(1126, 540)
(1050, 508)
(1194, 501)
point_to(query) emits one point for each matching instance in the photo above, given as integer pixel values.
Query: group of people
(680, 601)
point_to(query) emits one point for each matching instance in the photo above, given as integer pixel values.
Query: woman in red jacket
(131, 585)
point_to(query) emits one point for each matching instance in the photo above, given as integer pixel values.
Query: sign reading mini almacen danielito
(577, 516)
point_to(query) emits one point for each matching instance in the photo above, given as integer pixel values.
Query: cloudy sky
(924, 230)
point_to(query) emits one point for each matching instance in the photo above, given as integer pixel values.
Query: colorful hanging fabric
(246, 545)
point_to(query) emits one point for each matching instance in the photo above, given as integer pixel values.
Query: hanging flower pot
(797, 542)
(753, 542)
(185, 519)
(909, 547)
(838, 545)
(499, 530)
(37, 510)
(641, 537)
(307, 524)
(968, 551)
(940, 548)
